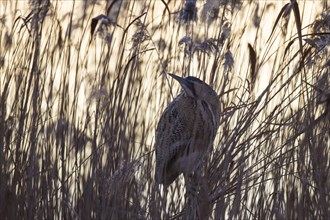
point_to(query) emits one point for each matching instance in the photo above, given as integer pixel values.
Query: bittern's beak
(186, 85)
(178, 78)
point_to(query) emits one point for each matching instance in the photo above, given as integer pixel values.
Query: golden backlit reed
(83, 85)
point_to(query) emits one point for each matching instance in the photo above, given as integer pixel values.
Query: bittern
(186, 130)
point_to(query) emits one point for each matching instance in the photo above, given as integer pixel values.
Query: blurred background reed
(83, 85)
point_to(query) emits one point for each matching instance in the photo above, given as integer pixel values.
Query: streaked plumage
(186, 130)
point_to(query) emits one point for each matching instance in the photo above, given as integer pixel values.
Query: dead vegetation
(83, 84)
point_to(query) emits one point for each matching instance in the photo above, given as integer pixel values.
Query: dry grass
(80, 99)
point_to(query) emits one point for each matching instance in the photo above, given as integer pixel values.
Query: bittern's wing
(173, 137)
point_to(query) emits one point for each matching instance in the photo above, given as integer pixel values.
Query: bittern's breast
(185, 132)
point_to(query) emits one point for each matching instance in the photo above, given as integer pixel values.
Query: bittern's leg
(203, 199)
(192, 210)
(197, 195)
(191, 188)
(203, 194)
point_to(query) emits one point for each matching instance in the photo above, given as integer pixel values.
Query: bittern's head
(198, 89)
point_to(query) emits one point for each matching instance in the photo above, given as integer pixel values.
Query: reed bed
(83, 84)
